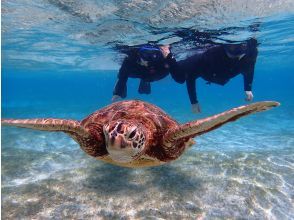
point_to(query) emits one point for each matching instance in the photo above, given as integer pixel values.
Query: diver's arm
(120, 88)
(249, 67)
(191, 87)
(248, 76)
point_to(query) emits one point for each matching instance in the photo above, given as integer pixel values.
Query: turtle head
(125, 141)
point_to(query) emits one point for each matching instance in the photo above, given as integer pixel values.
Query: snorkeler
(148, 63)
(218, 64)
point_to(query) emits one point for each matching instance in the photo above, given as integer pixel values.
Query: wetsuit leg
(144, 87)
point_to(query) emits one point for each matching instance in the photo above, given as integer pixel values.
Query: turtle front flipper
(48, 124)
(195, 128)
(91, 144)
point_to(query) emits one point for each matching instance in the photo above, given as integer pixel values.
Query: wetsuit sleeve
(248, 75)
(248, 72)
(191, 87)
(174, 69)
(120, 87)
(248, 79)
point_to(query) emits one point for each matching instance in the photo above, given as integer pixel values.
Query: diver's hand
(165, 50)
(249, 95)
(196, 108)
(115, 98)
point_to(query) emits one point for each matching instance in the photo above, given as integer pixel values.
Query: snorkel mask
(150, 54)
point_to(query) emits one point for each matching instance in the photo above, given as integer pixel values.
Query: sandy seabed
(47, 176)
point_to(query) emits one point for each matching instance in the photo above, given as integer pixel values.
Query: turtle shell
(156, 123)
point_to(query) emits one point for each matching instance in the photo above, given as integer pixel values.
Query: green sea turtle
(135, 133)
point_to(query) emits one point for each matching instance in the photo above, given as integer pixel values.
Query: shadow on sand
(108, 179)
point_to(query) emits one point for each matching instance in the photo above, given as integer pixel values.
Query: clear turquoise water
(61, 63)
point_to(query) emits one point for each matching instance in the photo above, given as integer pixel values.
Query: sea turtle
(135, 133)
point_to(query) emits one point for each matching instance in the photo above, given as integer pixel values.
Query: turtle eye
(119, 128)
(132, 134)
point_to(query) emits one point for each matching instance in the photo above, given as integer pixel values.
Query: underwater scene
(66, 59)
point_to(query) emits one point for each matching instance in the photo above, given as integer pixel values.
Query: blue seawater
(60, 59)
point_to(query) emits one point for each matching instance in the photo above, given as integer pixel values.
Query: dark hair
(252, 46)
(248, 47)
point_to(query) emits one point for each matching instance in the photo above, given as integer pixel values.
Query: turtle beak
(116, 142)
(118, 150)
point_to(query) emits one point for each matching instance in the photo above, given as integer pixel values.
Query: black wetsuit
(214, 65)
(131, 67)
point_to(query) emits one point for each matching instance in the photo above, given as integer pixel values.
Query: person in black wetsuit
(148, 63)
(218, 64)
